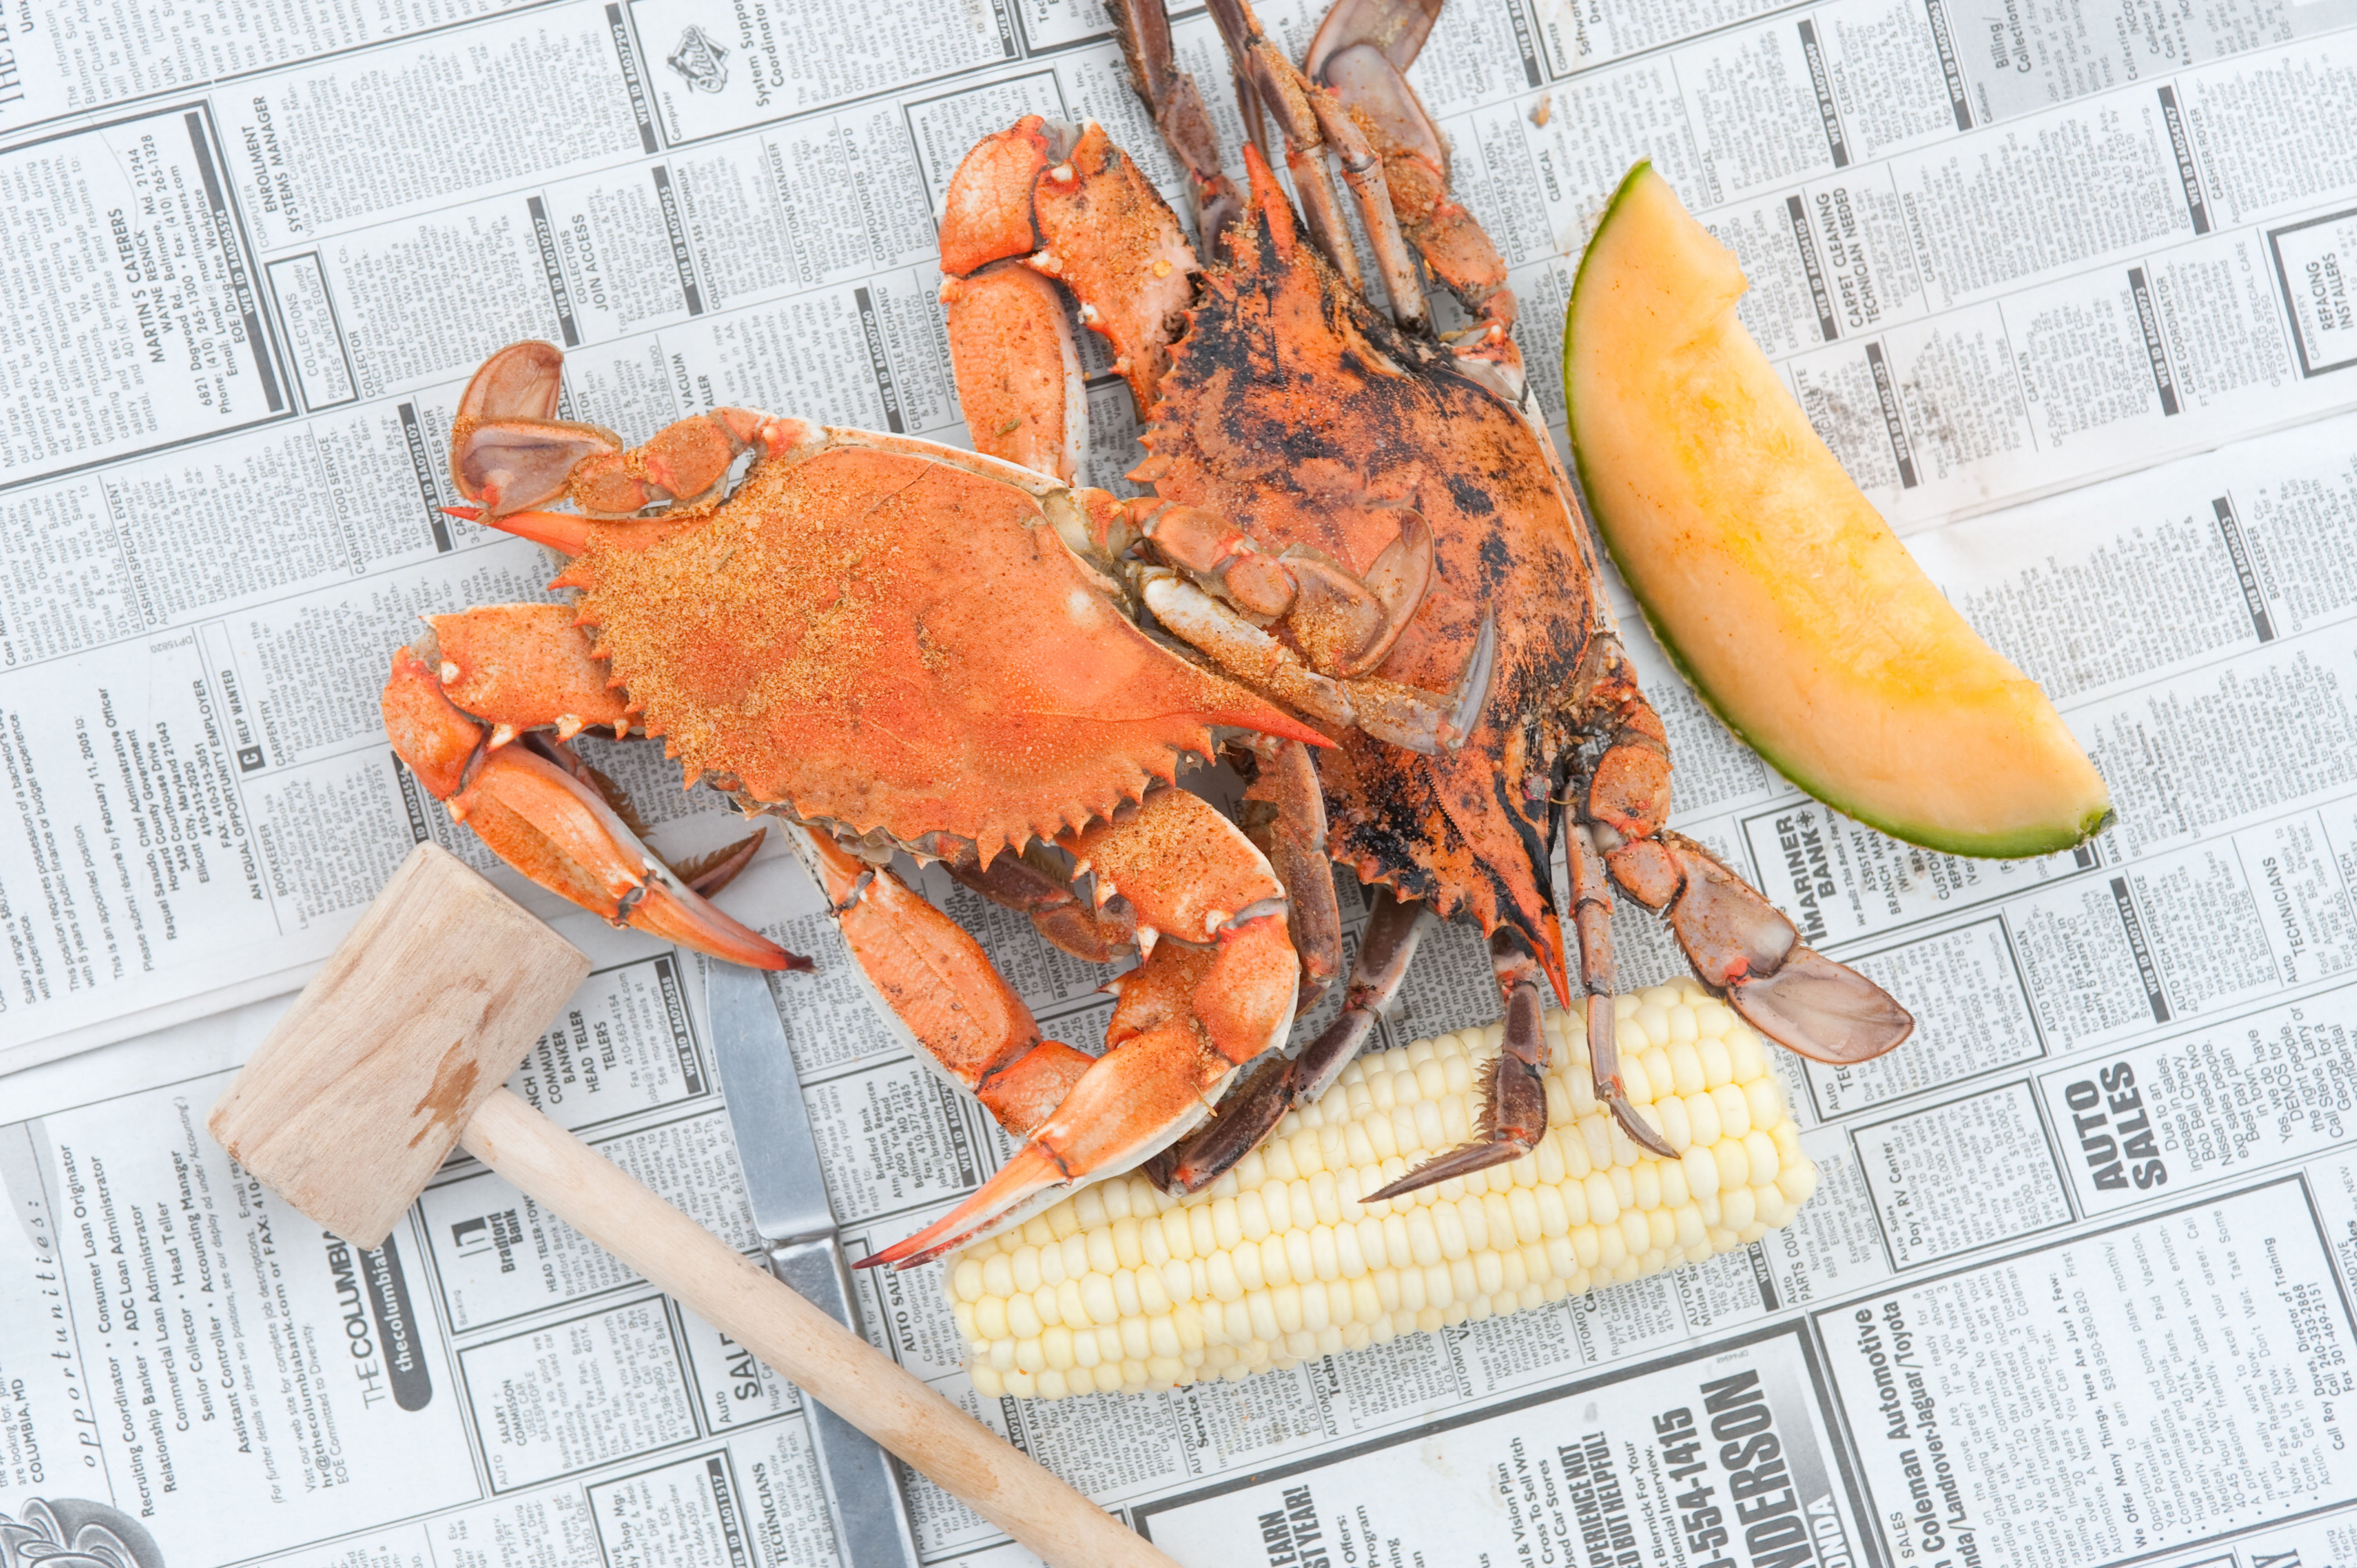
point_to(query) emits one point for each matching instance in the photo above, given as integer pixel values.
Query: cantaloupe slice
(1775, 586)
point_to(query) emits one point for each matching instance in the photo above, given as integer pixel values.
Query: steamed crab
(896, 646)
(888, 645)
(1373, 502)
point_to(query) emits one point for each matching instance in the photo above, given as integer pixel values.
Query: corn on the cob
(1121, 1288)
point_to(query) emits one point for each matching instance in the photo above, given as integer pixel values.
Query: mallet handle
(830, 1364)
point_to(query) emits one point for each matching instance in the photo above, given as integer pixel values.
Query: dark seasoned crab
(1341, 495)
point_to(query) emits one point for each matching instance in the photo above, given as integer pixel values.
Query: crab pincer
(1214, 987)
(532, 800)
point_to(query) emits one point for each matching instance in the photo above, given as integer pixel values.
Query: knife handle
(863, 1488)
(831, 1365)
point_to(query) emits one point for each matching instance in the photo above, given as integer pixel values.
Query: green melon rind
(2017, 845)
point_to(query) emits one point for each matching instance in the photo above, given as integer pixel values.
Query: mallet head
(356, 1098)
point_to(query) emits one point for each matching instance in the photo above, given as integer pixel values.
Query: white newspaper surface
(2077, 1287)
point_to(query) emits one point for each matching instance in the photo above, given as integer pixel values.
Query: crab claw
(1215, 994)
(1130, 1103)
(527, 800)
(553, 826)
(1028, 1173)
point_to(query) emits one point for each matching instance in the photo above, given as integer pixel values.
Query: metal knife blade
(788, 1192)
(774, 1141)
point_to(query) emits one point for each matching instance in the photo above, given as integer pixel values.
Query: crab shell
(884, 636)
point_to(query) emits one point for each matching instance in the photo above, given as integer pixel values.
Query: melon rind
(1776, 588)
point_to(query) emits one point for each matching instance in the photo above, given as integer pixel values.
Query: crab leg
(1075, 209)
(1362, 52)
(1736, 942)
(1310, 119)
(1420, 721)
(529, 799)
(1027, 403)
(1514, 1112)
(1284, 816)
(1247, 1113)
(1028, 886)
(1179, 113)
(1266, 94)
(508, 449)
(1215, 990)
(937, 988)
(524, 667)
(1345, 624)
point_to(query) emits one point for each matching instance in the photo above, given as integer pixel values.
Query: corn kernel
(1448, 1226)
(1399, 1244)
(1325, 1253)
(1603, 1203)
(1733, 1111)
(1251, 1216)
(1745, 1059)
(1152, 1297)
(1717, 1065)
(1301, 1256)
(1205, 1240)
(1636, 1233)
(1657, 1071)
(1702, 1116)
(1596, 1137)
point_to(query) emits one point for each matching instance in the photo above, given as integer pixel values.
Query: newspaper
(2077, 1285)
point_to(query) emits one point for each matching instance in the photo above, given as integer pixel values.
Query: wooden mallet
(398, 1049)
